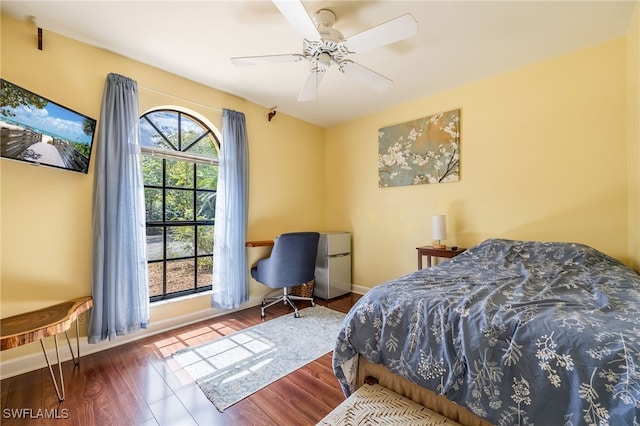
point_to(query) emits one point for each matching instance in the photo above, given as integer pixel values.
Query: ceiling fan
(324, 46)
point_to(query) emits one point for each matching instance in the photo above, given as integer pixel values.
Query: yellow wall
(46, 212)
(543, 157)
(550, 151)
(633, 49)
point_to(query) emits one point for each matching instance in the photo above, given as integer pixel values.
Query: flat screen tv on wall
(38, 131)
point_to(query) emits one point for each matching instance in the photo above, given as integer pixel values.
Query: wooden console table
(430, 252)
(36, 325)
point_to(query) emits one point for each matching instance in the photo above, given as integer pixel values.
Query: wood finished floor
(140, 384)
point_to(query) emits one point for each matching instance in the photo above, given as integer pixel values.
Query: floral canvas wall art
(420, 151)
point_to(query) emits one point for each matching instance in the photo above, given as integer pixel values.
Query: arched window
(180, 173)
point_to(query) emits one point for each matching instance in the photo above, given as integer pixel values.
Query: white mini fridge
(333, 265)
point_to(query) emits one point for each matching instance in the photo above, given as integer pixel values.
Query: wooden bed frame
(423, 396)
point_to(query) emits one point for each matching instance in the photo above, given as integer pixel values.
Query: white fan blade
(310, 89)
(365, 76)
(297, 15)
(268, 59)
(397, 29)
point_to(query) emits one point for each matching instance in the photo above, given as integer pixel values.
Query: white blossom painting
(420, 151)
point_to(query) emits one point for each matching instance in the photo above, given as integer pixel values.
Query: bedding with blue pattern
(518, 332)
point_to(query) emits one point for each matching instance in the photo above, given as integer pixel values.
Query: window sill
(182, 298)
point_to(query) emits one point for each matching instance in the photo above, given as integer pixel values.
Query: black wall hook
(272, 113)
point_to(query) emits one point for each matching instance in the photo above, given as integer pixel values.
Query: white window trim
(178, 155)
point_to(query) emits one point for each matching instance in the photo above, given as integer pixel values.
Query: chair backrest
(292, 260)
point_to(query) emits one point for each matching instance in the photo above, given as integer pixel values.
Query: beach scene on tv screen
(39, 131)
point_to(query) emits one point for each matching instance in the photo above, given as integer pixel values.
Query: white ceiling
(458, 42)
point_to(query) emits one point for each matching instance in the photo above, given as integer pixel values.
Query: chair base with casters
(285, 298)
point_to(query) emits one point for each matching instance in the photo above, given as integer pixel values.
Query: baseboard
(35, 360)
(358, 289)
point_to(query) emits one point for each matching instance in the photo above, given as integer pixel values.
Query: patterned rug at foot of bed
(377, 405)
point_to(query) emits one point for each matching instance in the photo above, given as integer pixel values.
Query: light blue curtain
(230, 283)
(120, 284)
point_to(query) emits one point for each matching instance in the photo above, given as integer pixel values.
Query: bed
(508, 332)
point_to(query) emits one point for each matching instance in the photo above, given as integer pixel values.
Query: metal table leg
(76, 360)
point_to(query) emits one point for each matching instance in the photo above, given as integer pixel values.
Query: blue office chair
(292, 262)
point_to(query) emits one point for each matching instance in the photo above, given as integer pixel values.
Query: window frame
(165, 224)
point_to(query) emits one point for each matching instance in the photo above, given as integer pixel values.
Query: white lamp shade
(439, 227)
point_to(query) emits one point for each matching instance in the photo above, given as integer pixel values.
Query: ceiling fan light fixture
(324, 60)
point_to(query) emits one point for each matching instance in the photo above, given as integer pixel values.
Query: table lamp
(439, 230)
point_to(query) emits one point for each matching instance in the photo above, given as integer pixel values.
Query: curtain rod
(180, 98)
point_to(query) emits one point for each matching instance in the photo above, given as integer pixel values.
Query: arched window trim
(181, 155)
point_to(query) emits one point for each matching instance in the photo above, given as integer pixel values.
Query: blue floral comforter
(524, 333)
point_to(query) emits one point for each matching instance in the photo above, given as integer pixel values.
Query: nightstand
(429, 251)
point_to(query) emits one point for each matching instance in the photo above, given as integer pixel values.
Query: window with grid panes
(180, 173)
